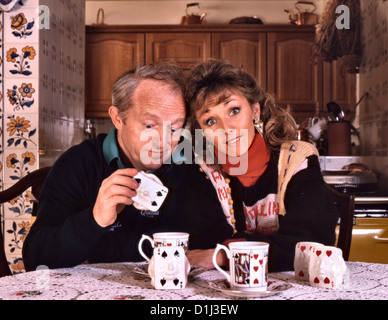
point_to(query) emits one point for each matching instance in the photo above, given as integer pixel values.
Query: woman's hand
(204, 258)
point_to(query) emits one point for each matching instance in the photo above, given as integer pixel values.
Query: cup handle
(227, 251)
(145, 237)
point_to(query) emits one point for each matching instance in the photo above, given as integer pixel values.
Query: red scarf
(258, 157)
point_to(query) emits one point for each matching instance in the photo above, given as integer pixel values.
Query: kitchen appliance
(370, 227)
(193, 17)
(303, 18)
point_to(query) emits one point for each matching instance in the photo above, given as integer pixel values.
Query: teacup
(327, 268)
(248, 265)
(317, 126)
(302, 259)
(169, 266)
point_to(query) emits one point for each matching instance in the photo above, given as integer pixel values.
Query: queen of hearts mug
(248, 265)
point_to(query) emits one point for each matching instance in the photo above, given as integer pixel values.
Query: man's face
(146, 137)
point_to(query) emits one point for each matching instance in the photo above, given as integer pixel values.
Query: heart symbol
(256, 268)
(327, 280)
(318, 252)
(163, 282)
(255, 256)
(316, 280)
(261, 262)
(303, 248)
(256, 281)
(301, 274)
(328, 253)
(169, 244)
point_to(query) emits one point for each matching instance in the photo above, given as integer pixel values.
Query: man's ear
(114, 115)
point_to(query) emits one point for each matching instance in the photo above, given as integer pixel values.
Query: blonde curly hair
(213, 81)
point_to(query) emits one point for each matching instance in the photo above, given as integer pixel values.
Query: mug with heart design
(302, 259)
(327, 268)
(248, 265)
(169, 266)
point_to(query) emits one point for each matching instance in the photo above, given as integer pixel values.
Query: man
(86, 211)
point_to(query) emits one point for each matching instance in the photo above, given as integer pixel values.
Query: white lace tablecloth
(117, 281)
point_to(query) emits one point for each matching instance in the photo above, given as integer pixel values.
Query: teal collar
(111, 150)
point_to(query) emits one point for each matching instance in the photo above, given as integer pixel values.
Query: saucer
(274, 287)
(143, 270)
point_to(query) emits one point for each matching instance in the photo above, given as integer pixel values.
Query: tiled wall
(42, 105)
(374, 81)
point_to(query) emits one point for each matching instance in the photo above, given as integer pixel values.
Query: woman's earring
(259, 126)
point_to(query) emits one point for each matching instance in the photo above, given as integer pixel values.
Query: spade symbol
(176, 254)
(176, 281)
(159, 194)
(153, 203)
(163, 282)
(164, 254)
(138, 180)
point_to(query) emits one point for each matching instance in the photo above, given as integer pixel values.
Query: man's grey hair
(125, 86)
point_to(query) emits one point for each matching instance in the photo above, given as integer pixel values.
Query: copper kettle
(303, 18)
(193, 18)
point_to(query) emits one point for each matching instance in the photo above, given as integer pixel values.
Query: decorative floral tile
(16, 263)
(17, 164)
(21, 132)
(22, 95)
(15, 232)
(20, 207)
(21, 25)
(21, 61)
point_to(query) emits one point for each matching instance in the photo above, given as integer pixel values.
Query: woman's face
(229, 124)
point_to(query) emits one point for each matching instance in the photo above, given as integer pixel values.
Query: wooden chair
(34, 180)
(345, 204)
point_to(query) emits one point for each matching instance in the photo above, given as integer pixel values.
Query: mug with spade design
(248, 265)
(169, 266)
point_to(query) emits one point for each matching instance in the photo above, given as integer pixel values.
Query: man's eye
(210, 122)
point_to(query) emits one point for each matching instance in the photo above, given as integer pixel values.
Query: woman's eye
(234, 111)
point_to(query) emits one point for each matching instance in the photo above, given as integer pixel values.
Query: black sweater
(65, 233)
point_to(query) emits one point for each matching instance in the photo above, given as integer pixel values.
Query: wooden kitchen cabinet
(108, 55)
(247, 50)
(187, 49)
(292, 78)
(278, 56)
(339, 86)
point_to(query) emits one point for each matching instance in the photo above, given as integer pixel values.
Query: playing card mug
(327, 268)
(169, 266)
(248, 265)
(302, 259)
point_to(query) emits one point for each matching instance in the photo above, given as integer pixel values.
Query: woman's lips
(233, 140)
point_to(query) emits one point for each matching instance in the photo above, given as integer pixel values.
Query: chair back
(345, 203)
(34, 180)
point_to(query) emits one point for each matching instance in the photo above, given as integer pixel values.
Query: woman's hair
(125, 86)
(214, 81)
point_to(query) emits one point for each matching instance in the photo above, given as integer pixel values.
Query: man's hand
(115, 193)
(204, 258)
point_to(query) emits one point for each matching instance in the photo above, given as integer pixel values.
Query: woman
(270, 186)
